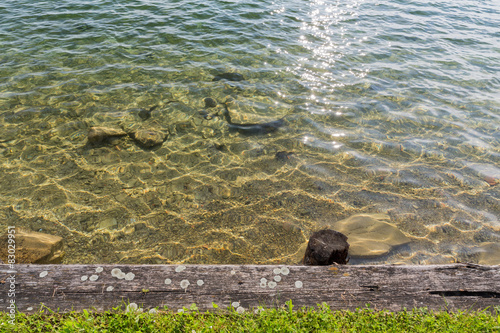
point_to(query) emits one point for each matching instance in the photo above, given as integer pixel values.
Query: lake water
(388, 107)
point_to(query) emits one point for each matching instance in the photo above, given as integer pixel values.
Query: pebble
(210, 102)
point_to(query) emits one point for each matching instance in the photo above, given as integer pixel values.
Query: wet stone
(108, 223)
(326, 247)
(101, 134)
(145, 114)
(229, 77)
(148, 138)
(370, 235)
(34, 248)
(489, 253)
(210, 102)
(284, 156)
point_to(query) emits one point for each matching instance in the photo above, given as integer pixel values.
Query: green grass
(321, 319)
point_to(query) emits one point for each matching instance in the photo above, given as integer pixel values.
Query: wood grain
(390, 287)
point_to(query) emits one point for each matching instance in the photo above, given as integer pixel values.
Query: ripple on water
(389, 107)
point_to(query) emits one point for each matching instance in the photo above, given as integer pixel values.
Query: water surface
(389, 107)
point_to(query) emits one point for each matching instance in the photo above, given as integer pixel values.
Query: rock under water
(229, 77)
(33, 248)
(148, 138)
(101, 134)
(370, 235)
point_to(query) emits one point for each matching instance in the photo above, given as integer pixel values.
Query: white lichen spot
(180, 268)
(153, 311)
(235, 304)
(298, 284)
(99, 269)
(233, 272)
(184, 284)
(200, 282)
(263, 280)
(180, 310)
(131, 307)
(168, 281)
(129, 276)
(84, 278)
(276, 271)
(43, 274)
(277, 278)
(29, 309)
(110, 288)
(271, 284)
(93, 277)
(121, 275)
(285, 270)
(115, 272)
(240, 309)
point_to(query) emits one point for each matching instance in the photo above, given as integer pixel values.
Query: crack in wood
(371, 288)
(461, 293)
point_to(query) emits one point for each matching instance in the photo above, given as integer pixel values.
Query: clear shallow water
(390, 107)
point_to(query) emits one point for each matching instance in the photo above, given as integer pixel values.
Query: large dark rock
(326, 247)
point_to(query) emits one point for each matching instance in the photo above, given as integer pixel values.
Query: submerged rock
(210, 102)
(34, 248)
(252, 128)
(101, 134)
(284, 156)
(145, 114)
(370, 235)
(489, 253)
(229, 77)
(147, 138)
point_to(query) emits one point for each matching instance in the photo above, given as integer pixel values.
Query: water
(389, 107)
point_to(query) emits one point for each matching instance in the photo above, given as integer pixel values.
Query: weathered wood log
(326, 247)
(103, 287)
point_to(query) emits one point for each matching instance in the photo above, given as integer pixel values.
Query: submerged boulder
(489, 253)
(370, 235)
(101, 134)
(148, 138)
(33, 248)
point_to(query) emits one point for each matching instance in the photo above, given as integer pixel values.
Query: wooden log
(103, 287)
